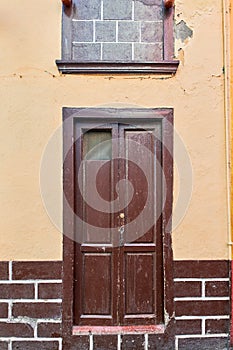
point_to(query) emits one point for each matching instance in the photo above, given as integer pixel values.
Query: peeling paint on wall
(182, 31)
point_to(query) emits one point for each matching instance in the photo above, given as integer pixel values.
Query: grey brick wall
(123, 30)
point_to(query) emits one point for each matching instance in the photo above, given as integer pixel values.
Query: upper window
(117, 36)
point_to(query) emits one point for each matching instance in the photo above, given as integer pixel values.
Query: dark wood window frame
(133, 116)
(166, 66)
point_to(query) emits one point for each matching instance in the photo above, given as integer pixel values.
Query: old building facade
(115, 76)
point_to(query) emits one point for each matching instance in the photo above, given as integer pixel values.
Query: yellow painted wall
(32, 94)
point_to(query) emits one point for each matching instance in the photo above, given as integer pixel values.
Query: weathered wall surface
(33, 93)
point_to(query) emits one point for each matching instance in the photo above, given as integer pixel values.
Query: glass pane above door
(97, 145)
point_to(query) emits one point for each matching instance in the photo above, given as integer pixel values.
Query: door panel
(139, 149)
(97, 190)
(139, 284)
(97, 272)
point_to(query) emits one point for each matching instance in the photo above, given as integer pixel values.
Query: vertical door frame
(104, 115)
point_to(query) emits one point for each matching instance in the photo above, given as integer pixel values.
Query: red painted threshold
(85, 330)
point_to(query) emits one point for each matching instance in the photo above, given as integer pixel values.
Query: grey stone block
(105, 31)
(148, 52)
(148, 10)
(152, 32)
(83, 31)
(120, 9)
(117, 52)
(128, 31)
(87, 9)
(87, 52)
(182, 31)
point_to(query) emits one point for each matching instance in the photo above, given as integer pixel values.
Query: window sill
(161, 67)
(87, 330)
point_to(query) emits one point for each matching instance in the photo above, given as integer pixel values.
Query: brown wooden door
(118, 255)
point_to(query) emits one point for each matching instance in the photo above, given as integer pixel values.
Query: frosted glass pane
(97, 145)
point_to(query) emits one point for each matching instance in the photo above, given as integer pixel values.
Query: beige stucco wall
(32, 94)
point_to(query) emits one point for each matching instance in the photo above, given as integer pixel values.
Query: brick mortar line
(16, 320)
(207, 279)
(114, 20)
(91, 343)
(116, 42)
(37, 301)
(10, 309)
(29, 339)
(101, 51)
(102, 10)
(30, 281)
(94, 32)
(10, 270)
(36, 330)
(201, 298)
(176, 343)
(146, 342)
(210, 317)
(140, 31)
(39, 321)
(36, 290)
(203, 287)
(118, 342)
(133, 11)
(117, 31)
(203, 328)
(60, 343)
(193, 336)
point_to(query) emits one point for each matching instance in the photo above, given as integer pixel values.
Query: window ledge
(87, 330)
(160, 67)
